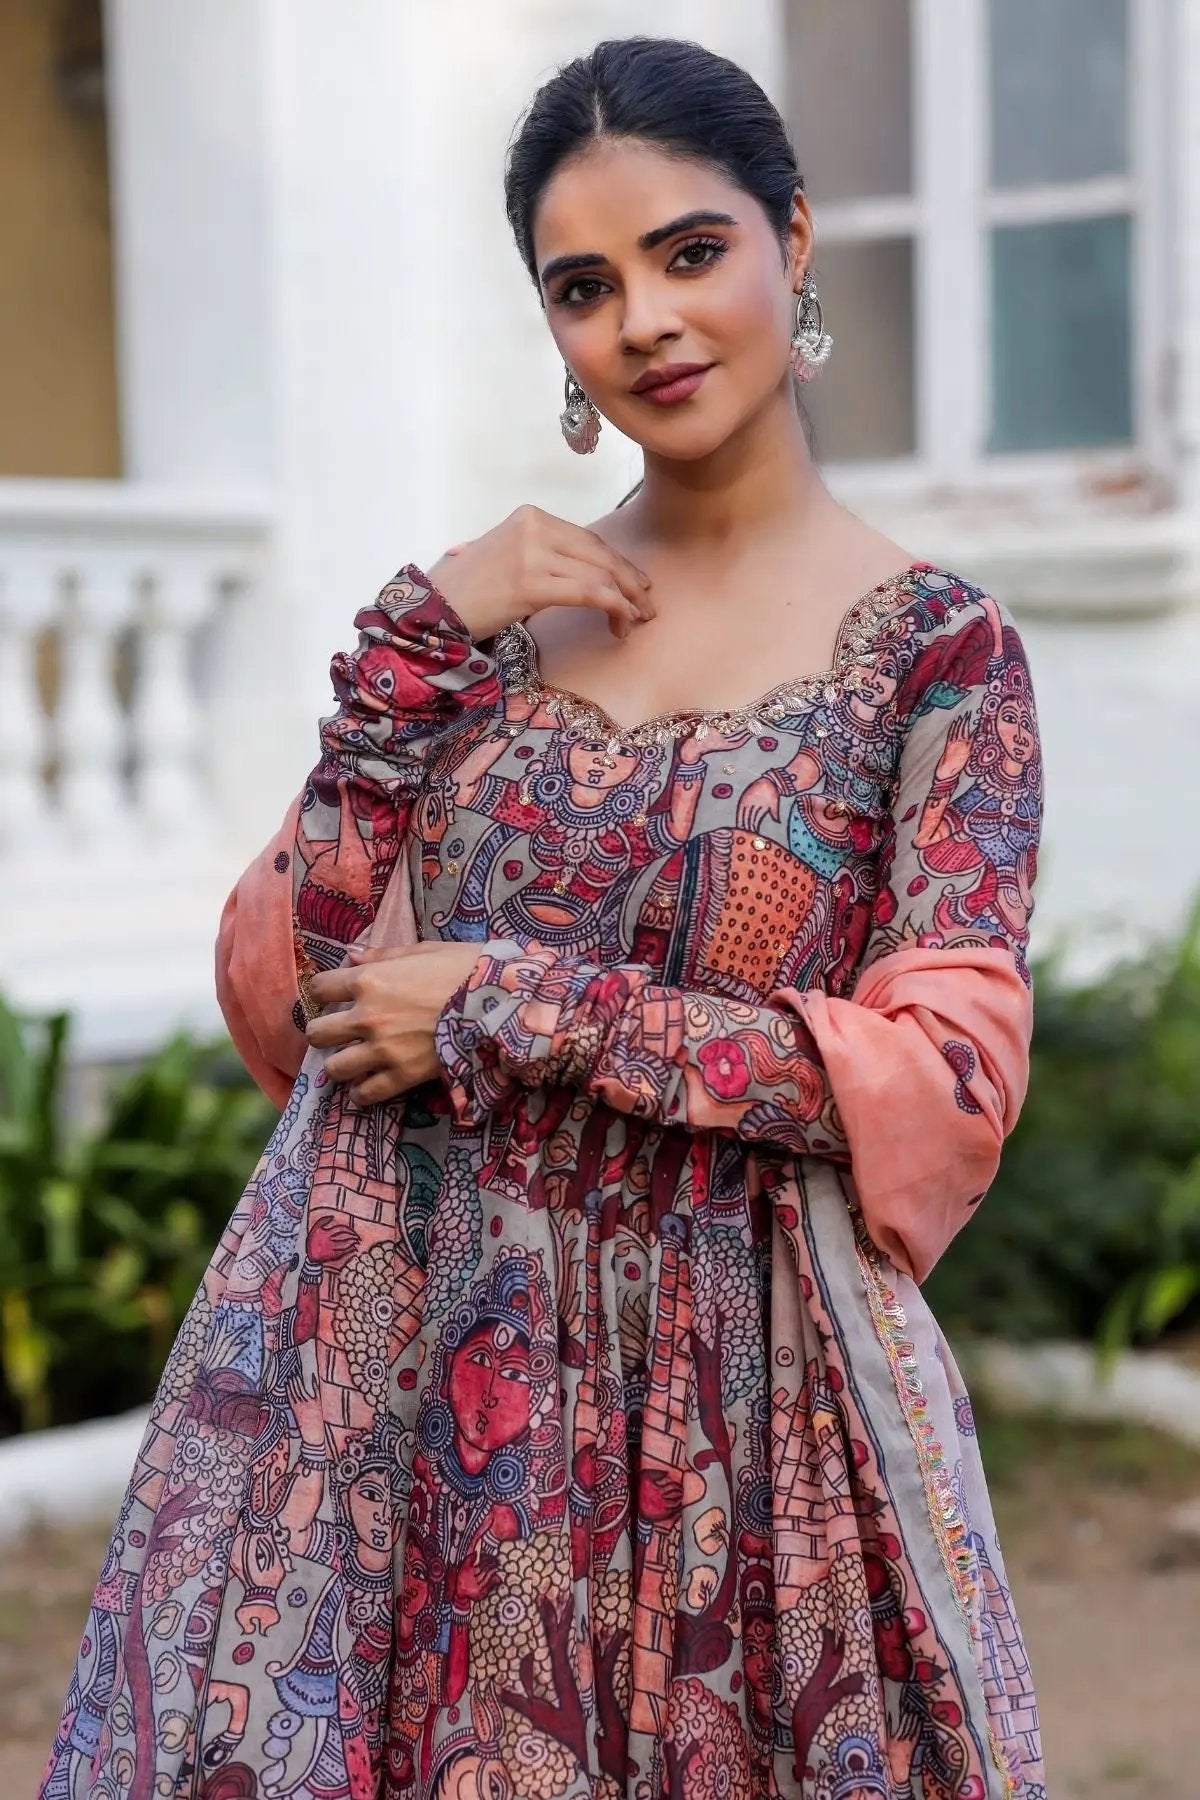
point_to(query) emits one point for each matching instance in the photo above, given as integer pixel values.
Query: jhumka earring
(811, 343)
(579, 419)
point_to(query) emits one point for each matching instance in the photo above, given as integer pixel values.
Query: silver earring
(579, 419)
(811, 343)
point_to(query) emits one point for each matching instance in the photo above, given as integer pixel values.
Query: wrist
(445, 580)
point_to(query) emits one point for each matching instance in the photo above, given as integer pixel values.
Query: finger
(329, 1030)
(632, 582)
(332, 985)
(578, 544)
(622, 566)
(376, 1088)
(363, 953)
(590, 587)
(353, 1063)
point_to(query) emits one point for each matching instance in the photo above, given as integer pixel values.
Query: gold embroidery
(517, 655)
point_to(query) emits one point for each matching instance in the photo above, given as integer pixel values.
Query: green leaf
(25, 1352)
(120, 1274)
(1168, 1291)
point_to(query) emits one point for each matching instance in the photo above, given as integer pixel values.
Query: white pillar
(191, 239)
(1185, 243)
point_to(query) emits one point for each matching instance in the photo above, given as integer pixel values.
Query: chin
(690, 441)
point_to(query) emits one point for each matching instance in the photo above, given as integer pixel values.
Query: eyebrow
(593, 259)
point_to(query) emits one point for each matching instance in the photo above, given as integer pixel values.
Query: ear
(800, 241)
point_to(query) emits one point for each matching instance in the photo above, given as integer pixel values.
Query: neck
(760, 481)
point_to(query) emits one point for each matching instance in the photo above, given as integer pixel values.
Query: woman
(560, 1414)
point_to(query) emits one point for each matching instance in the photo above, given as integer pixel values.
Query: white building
(325, 358)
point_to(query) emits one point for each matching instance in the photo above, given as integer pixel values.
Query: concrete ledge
(71, 1476)
(1146, 1387)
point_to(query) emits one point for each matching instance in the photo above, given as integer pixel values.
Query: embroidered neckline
(517, 653)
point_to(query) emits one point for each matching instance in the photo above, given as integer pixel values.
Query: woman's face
(668, 262)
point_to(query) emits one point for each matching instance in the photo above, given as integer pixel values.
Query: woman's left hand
(381, 1038)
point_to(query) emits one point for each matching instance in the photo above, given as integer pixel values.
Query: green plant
(105, 1233)
(1092, 1227)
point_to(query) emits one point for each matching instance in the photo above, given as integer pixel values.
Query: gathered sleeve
(914, 1078)
(315, 888)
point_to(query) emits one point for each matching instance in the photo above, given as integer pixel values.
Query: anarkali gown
(574, 1425)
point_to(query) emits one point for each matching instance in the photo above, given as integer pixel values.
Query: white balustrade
(137, 719)
(114, 587)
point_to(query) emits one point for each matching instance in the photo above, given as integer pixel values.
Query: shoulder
(937, 602)
(948, 633)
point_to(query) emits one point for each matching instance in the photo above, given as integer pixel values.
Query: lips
(670, 372)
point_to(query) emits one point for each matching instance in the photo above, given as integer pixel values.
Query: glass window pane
(861, 404)
(1060, 90)
(1061, 317)
(851, 96)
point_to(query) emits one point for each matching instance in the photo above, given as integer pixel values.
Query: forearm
(414, 671)
(671, 1055)
(914, 1082)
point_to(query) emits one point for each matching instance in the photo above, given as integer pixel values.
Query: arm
(529, 1018)
(415, 671)
(315, 887)
(916, 1079)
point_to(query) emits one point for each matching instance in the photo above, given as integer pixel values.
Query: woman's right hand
(532, 560)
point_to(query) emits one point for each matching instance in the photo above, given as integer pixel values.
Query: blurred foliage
(105, 1232)
(1091, 1229)
(1092, 1226)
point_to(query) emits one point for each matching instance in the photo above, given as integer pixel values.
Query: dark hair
(676, 95)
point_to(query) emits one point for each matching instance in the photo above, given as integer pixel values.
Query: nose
(649, 319)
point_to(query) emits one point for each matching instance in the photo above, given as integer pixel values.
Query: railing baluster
(91, 730)
(167, 724)
(27, 598)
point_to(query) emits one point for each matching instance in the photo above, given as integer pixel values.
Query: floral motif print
(562, 1430)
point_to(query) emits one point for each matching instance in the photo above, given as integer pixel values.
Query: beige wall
(58, 407)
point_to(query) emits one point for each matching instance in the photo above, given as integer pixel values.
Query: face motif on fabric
(594, 768)
(1014, 728)
(489, 1387)
(488, 1427)
(368, 1503)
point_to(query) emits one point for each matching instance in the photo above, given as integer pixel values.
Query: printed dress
(575, 1426)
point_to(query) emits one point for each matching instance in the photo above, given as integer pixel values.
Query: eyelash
(718, 247)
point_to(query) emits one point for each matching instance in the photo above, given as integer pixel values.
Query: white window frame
(949, 216)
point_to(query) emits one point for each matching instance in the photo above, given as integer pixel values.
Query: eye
(581, 282)
(699, 253)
